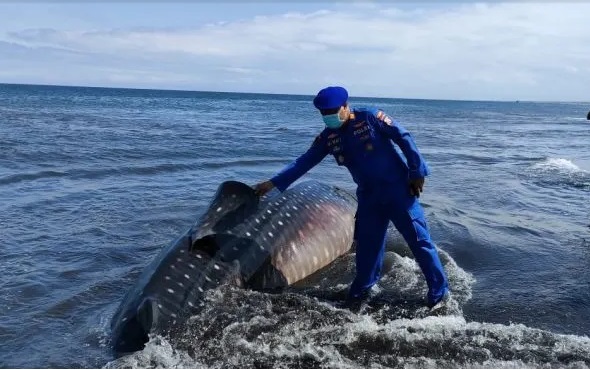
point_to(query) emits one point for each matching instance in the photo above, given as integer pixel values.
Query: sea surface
(94, 182)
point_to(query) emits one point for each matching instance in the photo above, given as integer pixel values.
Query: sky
(514, 50)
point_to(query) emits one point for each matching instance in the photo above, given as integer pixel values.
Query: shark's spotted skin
(260, 243)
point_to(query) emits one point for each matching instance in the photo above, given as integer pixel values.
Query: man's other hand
(416, 186)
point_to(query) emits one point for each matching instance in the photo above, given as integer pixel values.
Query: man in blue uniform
(387, 187)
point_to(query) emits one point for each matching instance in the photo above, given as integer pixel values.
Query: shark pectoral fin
(231, 203)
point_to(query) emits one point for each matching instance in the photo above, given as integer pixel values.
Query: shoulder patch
(384, 118)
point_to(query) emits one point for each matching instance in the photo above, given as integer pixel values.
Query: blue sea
(94, 182)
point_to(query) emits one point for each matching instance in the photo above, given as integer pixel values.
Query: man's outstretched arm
(295, 169)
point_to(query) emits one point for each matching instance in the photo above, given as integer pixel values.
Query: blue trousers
(371, 223)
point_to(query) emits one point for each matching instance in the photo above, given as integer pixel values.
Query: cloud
(511, 51)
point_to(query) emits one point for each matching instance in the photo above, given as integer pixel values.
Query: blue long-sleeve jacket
(364, 145)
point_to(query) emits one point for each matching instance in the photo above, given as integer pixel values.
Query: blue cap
(330, 97)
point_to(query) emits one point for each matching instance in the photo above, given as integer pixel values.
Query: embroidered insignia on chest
(334, 141)
(361, 130)
(365, 137)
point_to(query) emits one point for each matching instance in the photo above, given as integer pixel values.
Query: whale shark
(260, 243)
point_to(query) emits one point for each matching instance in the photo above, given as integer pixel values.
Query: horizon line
(288, 94)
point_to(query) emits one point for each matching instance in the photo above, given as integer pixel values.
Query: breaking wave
(305, 327)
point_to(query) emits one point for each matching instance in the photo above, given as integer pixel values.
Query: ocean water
(95, 182)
